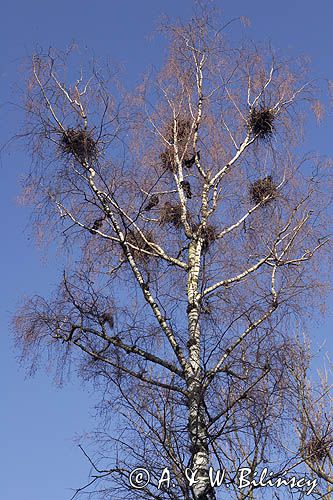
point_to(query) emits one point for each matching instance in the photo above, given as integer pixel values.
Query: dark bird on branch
(107, 317)
(153, 202)
(187, 189)
(190, 162)
(97, 224)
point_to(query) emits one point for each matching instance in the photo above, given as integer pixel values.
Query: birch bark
(197, 424)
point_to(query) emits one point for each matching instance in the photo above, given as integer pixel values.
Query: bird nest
(208, 233)
(263, 190)
(79, 143)
(318, 448)
(183, 132)
(171, 214)
(135, 239)
(261, 122)
(168, 161)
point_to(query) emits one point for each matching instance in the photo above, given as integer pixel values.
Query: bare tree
(199, 247)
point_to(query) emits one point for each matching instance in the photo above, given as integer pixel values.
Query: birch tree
(197, 235)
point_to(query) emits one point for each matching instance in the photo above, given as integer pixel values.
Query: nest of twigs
(171, 214)
(167, 160)
(135, 238)
(318, 448)
(262, 189)
(80, 143)
(261, 122)
(208, 233)
(183, 132)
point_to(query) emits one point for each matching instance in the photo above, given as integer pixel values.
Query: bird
(153, 202)
(97, 224)
(190, 162)
(187, 189)
(107, 317)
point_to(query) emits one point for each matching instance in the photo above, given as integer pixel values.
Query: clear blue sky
(38, 459)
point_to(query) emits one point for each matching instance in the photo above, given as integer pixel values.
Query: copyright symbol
(139, 478)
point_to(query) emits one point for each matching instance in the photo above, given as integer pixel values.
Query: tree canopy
(198, 231)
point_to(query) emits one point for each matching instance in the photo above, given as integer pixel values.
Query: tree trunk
(202, 490)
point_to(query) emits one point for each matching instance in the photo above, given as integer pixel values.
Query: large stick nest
(183, 132)
(318, 448)
(208, 233)
(171, 214)
(261, 122)
(79, 143)
(168, 160)
(262, 189)
(135, 238)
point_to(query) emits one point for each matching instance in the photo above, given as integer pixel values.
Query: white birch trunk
(197, 426)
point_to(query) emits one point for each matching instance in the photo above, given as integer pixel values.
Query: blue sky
(39, 460)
